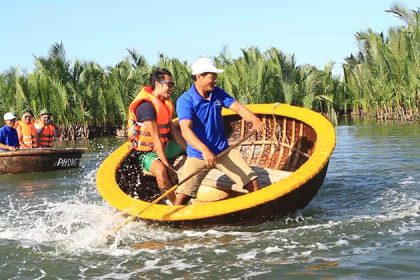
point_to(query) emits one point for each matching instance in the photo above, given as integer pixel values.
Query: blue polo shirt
(8, 136)
(206, 117)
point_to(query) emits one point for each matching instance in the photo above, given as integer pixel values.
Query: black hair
(27, 110)
(158, 75)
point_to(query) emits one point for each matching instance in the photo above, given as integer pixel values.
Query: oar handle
(173, 188)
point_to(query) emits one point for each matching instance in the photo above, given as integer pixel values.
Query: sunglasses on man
(170, 84)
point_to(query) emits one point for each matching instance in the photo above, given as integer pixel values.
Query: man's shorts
(232, 164)
(171, 150)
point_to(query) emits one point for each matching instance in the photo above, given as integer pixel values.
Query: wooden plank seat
(217, 179)
(216, 185)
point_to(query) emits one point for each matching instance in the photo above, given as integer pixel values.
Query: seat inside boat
(217, 186)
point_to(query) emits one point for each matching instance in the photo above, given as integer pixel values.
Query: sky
(315, 32)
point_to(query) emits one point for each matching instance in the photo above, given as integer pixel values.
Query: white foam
(342, 242)
(220, 251)
(152, 263)
(274, 249)
(306, 253)
(212, 232)
(178, 264)
(248, 255)
(321, 246)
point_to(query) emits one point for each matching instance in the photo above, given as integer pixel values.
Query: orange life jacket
(28, 133)
(46, 135)
(138, 131)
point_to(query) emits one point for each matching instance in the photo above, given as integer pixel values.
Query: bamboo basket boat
(291, 159)
(39, 160)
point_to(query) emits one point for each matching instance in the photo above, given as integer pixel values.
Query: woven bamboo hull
(297, 141)
(38, 160)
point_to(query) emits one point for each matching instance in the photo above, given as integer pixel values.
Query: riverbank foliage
(381, 80)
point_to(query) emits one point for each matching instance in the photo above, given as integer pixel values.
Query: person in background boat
(199, 112)
(150, 127)
(26, 130)
(46, 130)
(9, 140)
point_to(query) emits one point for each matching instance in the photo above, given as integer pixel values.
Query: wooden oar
(165, 194)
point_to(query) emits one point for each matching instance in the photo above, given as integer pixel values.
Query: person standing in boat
(26, 130)
(200, 116)
(150, 127)
(46, 130)
(9, 140)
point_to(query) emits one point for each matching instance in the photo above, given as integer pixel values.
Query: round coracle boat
(291, 159)
(39, 160)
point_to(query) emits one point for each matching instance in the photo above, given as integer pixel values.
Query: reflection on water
(27, 188)
(364, 222)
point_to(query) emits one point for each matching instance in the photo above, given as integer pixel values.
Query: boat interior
(286, 145)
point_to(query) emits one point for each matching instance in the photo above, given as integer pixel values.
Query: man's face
(10, 123)
(207, 81)
(45, 119)
(27, 118)
(165, 87)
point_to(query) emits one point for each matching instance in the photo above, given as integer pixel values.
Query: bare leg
(162, 179)
(181, 199)
(252, 186)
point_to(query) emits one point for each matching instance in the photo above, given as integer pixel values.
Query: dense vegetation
(382, 80)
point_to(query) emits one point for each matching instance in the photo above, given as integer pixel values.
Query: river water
(363, 224)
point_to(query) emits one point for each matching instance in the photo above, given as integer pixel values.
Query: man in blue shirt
(9, 140)
(199, 112)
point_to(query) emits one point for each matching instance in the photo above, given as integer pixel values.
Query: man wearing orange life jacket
(150, 125)
(46, 130)
(26, 131)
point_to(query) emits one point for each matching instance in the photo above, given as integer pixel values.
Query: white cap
(9, 116)
(204, 65)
